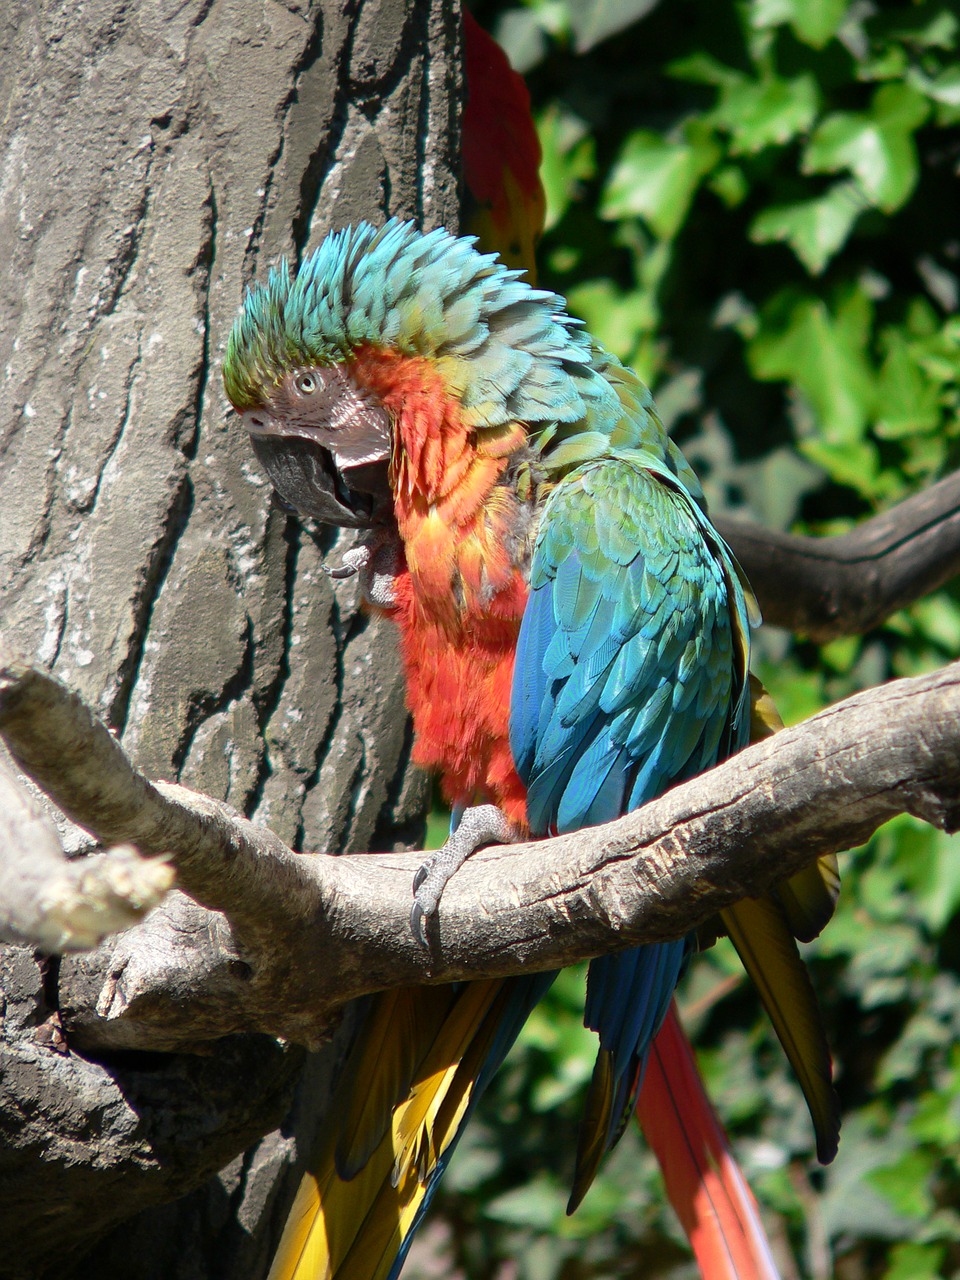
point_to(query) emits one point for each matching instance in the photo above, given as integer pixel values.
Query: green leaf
(877, 147)
(933, 878)
(842, 653)
(927, 26)
(822, 352)
(704, 68)
(731, 184)
(909, 403)
(618, 319)
(937, 1117)
(656, 180)
(522, 34)
(539, 1204)
(814, 229)
(852, 1202)
(904, 1060)
(568, 159)
(910, 1261)
(766, 112)
(814, 22)
(595, 20)
(906, 1184)
(890, 63)
(757, 113)
(944, 87)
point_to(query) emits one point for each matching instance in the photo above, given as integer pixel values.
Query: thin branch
(225, 862)
(840, 586)
(333, 928)
(55, 904)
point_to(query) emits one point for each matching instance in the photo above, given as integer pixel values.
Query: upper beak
(305, 474)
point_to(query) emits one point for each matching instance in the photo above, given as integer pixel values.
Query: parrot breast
(461, 593)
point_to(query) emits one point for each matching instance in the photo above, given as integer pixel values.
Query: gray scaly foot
(480, 825)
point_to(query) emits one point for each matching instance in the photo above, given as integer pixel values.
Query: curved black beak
(305, 475)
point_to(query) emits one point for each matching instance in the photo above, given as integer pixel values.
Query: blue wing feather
(630, 676)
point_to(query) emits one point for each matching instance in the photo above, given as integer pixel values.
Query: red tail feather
(704, 1182)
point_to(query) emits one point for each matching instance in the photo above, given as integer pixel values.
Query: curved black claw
(340, 572)
(426, 900)
(417, 918)
(354, 560)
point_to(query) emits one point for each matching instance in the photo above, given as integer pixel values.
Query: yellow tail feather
(594, 1128)
(378, 1075)
(764, 932)
(400, 1116)
(809, 898)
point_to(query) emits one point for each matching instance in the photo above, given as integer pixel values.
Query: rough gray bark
(155, 158)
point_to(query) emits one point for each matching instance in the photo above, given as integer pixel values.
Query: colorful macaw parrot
(575, 637)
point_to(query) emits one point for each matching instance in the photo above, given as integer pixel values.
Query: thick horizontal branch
(332, 928)
(840, 586)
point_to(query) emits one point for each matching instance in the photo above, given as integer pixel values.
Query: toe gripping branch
(378, 561)
(480, 825)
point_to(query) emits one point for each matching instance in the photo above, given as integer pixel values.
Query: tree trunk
(157, 158)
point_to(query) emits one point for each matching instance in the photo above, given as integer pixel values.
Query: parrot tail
(419, 1065)
(505, 204)
(706, 1188)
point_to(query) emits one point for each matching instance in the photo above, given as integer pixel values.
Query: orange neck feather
(461, 595)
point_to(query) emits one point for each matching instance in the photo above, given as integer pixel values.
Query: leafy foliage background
(754, 204)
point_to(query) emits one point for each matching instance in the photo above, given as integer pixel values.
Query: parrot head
(323, 440)
(325, 444)
(401, 369)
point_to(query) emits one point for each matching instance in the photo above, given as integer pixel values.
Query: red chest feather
(458, 690)
(462, 594)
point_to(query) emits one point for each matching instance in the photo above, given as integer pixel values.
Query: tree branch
(301, 935)
(840, 586)
(56, 904)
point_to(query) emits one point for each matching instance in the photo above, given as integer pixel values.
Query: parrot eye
(306, 384)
